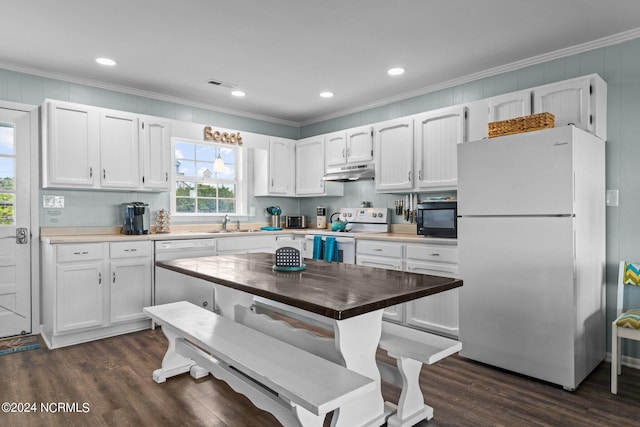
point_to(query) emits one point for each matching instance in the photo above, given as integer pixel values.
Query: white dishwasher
(171, 286)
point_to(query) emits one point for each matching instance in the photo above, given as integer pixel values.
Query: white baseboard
(629, 361)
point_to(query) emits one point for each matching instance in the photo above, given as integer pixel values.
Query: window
(7, 174)
(202, 187)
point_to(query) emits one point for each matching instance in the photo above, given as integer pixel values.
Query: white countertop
(201, 231)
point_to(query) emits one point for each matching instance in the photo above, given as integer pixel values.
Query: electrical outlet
(612, 197)
(53, 202)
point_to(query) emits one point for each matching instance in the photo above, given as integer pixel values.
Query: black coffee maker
(136, 218)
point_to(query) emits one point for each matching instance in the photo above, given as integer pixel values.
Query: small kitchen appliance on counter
(296, 221)
(135, 218)
(321, 217)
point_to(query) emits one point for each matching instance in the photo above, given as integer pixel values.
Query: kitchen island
(350, 297)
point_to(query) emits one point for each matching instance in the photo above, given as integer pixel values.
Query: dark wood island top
(337, 291)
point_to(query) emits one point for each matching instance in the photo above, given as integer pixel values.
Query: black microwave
(438, 219)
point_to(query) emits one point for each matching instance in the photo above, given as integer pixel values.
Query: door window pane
(7, 212)
(7, 173)
(6, 138)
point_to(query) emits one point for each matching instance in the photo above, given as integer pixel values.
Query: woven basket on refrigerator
(521, 124)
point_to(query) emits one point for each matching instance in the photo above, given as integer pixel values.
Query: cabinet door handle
(420, 174)
(166, 176)
(343, 153)
(434, 254)
(409, 176)
(104, 174)
(81, 253)
(90, 172)
(99, 278)
(377, 250)
(130, 250)
(114, 277)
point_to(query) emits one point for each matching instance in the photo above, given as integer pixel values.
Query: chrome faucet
(225, 221)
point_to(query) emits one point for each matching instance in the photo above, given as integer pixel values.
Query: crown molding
(561, 53)
(139, 92)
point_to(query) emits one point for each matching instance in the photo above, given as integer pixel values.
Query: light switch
(612, 197)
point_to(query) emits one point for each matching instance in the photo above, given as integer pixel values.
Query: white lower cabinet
(94, 290)
(79, 296)
(129, 281)
(436, 313)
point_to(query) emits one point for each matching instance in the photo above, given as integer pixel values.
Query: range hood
(350, 173)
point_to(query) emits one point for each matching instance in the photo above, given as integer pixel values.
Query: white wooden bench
(411, 348)
(297, 387)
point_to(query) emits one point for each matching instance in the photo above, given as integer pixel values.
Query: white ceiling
(282, 53)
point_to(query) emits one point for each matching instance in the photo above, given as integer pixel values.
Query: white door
(524, 174)
(155, 144)
(15, 241)
(119, 150)
(281, 157)
(310, 166)
(516, 304)
(393, 141)
(510, 106)
(568, 101)
(437, 135)
(360, 145)
(336, 149)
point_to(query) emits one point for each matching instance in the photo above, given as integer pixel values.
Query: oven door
(346, 248)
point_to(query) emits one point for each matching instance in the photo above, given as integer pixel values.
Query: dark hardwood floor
(113, 377)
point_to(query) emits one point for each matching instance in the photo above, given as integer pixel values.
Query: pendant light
(218, 164)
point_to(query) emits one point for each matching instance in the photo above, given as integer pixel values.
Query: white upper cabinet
(310, 166)
(274, 169)
(71, 146)
(437, 133)
(581, 101)
(282, 166)
(350, 146)
(393, 144)
(360, 145)
(155, 151)
(310, 169)
(119, 147)
(509, 106)
(336, 149)
(90, 147)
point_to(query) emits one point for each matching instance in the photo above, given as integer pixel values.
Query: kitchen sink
(224, 231)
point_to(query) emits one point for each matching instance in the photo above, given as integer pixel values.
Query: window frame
(241, 181)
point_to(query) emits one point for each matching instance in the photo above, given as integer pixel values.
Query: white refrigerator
(531, 240)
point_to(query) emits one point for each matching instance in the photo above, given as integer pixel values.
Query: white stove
(359, 220)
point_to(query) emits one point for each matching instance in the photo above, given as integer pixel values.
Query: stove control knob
(374, 214)
(349, 214)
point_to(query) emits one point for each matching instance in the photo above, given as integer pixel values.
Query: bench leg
(411, 407)
(172, 363)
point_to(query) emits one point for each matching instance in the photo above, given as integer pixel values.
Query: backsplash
(86, 208)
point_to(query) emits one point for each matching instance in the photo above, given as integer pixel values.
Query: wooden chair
(627, 322)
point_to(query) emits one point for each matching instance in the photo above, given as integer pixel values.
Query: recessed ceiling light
(238, 93)
(395, 71)
(326, 94)
(106, 61)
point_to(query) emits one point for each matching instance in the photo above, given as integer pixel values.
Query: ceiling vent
(216, 82)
